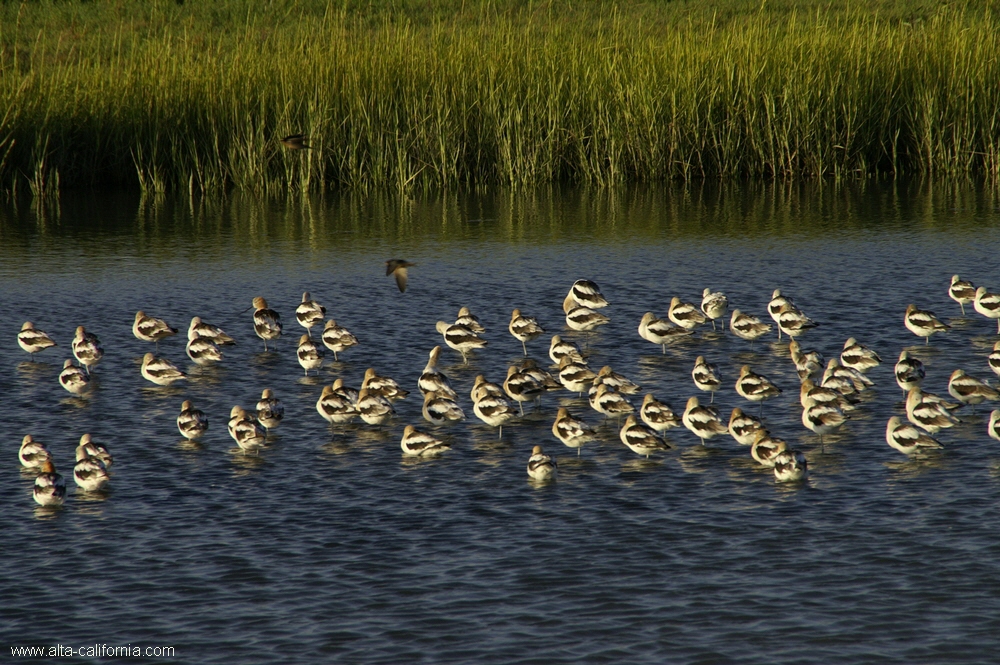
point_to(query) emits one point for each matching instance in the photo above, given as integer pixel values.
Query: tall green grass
(448, 93)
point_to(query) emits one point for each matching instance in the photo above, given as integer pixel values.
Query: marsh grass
(446, 93)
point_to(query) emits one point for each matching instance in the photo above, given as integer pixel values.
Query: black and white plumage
(659, 331)
(755, 387)
(89, 472)
(993, 360)
(482, 388)
(469, 320)
(824, 395)
(702, 421)
(87, 348)
(560, 349)
(494, 410)
(581, 318)
(529, 367)
(907, 439)
(373, 408)
(858, 356)
(766, 448)
(928, 412)
(160, 371)
(640, 439)
(970, 390)
(398, 269)
(540, 465)
(706, 376)
(379, 385)
(334, 408)
(217, 335)
(524, 328)
(203, 351)
(793, 322)
(421, 444)
(610, 402)
(923, 323)
(685, 314)
(743, 427)
(775, 306)
(714, 305)
(33, 340)
(337, 338)
(245, 430)
(191, 422)
(150, 328)
(440, 409)
(520, 387)
(309, 354)
(74, 379)
(993, 428)
(32, 454)
(309, 313)
(859, 381)
(658, 415)
(270, 410)
(575, 376)
(790, 466)
(382, 385)
(574, 433)
(748, 327)
(909, 372)
(807, 363)
(433, 381)
(988, 304)
(961, 291)
(460, 338)
(92, 449)
(50, 488)
(822, 419)
(266, 321)
(619, 382)
(586, 293)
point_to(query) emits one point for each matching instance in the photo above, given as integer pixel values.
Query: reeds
(516, 98)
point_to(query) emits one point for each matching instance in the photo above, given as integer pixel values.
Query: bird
(33, 340)
(858, 380)
(993, 429)
(295, 142)
(199, 328)
(658, 415)
(460, 338)
(776, 304)
(807, 363)
(793, 322)
(748, 327)
(95, 450)
(766, 448)
(529, 367)
(640, 439)
(988, 304)
(790, 466)
(540, 465)
(74, 379)
(823, 395)
(191, 422)
(702, 421)
(994, 359)
(907, 439)
(373, 408)
(714, 305)
(928, 413)
(335, 408)
(617, 381)
(580, 318)
(50, 488)
(610, 402)
(89, 473)
(659, 331)
(586, 293)
(150, 328)
(962, 292)
(397, 268)
(559, 349)
(574, 375)
(266, 321)
(467, 319)
(909, 372)
(706, 376)
(381, 385)
(520, 387)
(858, 356)
(87, 348)
(685, 314)
(524, 328)
(203, 351)
(32, 454)
(494, 410)
(309, 313)
(970, 390)
(246, 431)
(337, 338)
(440, 409)
(574, 433)
(270, 410)
(421, 444)
(160, 371)
(482, 388)
(822, 419)
(922, 323)
(743, 427)
(310, 355)
(433, 381)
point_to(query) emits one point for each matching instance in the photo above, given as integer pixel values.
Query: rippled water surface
(330, 546)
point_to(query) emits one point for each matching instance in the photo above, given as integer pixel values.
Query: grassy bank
(166, 95)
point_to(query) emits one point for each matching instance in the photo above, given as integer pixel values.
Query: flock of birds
(828, 393)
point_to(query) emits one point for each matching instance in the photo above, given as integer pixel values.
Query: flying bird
(296, 142)
(397, 268)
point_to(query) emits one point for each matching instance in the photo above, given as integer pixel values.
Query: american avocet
(494, 410)
(482, 388)
(397, 268)
(50, 488)
(766, 448)
(373, 408)
(822, 419)
(610, 402)
(909, 372)
(218, 336)
(310, 355)
(540, 465)
(73, 379)
(270, 410)
(793, 322)
(617, 381)
(993, 429)
(823, 395)
(33, 340)
(266, 321)
(575, 375)
(92, 449)
(714, 305)
(988, 304)
(529, 367)
(559, 349)
(524, 328)
(378, 385)
(191, 422)
(685, 314)
(335, 408)
(659, 331)
(835, 369)
(970, 390)
(572, 432)
(421, 444)
(790, 466)
(87, 348)
(807, 363)
(32, 453)
(702, 421)
(706, 376)
(658, 415)
(922, 323)
(587, 294)
(748, 327)
(929, 415)
(907, 439)
(641, 439)
(460, 338)
(994, 359)
(961, 291)
(433, 381)
(150, 328)
(89, 472)
(309, 313)
(246, 431)
(439, 409)
(384, 386)
(337, 338)
(743, 427)
(520, 387)
(580, 318)
(160, 371)
(755, 387)
(776, 304)
(203, 351)
(469, 320)
(858, 356)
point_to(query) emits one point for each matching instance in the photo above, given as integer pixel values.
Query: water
(331, 546)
